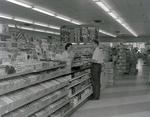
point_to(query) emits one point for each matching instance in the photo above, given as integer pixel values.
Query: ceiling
(135, 13)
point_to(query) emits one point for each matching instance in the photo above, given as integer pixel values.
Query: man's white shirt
(98, 55)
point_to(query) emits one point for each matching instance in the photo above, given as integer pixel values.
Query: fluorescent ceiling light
(81, 43)
(57, 33)
(74, 43)
(54, 27)
(107, 33)
(127, 28)
(43, 11)
(74, 22)
(118, 20)
(40, 24)
(113, 15)
(35, 23)
(10, 25)
(6, 17)
(50, 32)
(22, 20)
(20, 3)
(38, 30)
(103, 6)
(96, 0)
(26, 28)
(123, 25)
(60, 17)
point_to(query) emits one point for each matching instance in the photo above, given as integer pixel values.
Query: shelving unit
(46, 104)
(46, 115)
(78, 77)
(80, 91)
(31, 71)
(40, 90)
(85, 98)
(29, 84)
(78, 82)
(76, 106)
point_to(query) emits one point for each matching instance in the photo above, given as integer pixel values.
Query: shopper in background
(97, 61)
(68, 54)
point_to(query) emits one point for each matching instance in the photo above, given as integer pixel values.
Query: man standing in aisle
(97, 61)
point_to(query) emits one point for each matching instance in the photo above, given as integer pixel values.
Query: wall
(127, 39)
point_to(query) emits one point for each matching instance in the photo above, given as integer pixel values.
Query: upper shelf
(31, 71)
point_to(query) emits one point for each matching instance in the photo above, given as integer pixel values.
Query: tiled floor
(129, 97)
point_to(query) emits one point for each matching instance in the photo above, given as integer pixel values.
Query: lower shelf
(46, 115)
(75, 106)
(80, 91)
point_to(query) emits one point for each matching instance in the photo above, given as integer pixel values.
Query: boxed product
(4, 29)
(110, 70)
(110, 65)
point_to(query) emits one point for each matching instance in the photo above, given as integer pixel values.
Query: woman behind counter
(68, 54)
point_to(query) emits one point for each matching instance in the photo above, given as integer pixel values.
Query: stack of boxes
(133, 59)
(111, 73)
(121, 62)
(127, 61)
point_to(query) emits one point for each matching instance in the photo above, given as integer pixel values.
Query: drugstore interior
(36, 81)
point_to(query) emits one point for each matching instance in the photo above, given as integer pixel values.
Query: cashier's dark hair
(67, 45)
(95, 41)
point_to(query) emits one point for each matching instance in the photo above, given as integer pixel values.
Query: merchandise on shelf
(13, 100)
(61, 111)
(127, 61)
(133, 61)
(46, 102)
(76, 99)
(83, 55)
(121, 62)
(34, 78)
(80, 33)
(65, 35)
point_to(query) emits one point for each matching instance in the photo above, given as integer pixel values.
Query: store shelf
(44, 69)
(80, 91)
(31, 98)
(80, 69)
(31, 71)
(46, 115)
(79, 82)
(83, 99)
(43, 106)
(78, 77)
(29, 84)
(77, 104)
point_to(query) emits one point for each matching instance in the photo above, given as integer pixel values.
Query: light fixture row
(32, 29)
(41, 24)
(106, 9)
(44, 11)
(28, 21)
(106, 33)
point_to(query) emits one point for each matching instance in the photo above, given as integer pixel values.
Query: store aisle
(129, 97)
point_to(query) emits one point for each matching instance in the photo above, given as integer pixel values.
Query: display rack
(78, 105)
(31, 71)
(80, 91)
(11, 104)
(85, 98)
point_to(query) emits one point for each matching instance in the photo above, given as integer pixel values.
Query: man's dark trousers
(95, 74)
